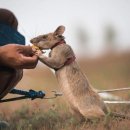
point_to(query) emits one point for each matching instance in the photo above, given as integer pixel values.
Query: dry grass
(110, 71)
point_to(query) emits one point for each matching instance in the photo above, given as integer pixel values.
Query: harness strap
(58, 43)
(67, 62)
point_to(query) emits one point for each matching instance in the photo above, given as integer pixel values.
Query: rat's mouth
(38, 49)
(41, 47)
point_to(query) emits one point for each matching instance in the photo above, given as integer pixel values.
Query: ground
(110, 71)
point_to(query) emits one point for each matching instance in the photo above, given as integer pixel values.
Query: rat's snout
(31, 40)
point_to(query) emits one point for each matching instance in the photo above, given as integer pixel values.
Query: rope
(113, 90)
(56, 94)
(13, 99)
(117, 102)
(40, 94)
(25, 94)
(29, 94)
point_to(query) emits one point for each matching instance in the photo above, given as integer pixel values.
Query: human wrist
(2, 56)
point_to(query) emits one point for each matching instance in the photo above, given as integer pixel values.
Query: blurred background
(97, 30)
(92, 26)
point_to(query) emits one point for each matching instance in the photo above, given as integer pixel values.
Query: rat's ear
(60, 30)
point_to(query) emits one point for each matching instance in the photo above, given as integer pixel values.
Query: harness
(69, 59)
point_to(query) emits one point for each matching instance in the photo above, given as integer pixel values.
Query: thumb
(27, 50)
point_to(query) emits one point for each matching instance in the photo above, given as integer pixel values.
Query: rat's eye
(44, 36)
(60, 36)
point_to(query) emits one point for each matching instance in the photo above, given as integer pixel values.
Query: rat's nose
(31, 40)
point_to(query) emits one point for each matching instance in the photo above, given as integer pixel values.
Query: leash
(31, 94)
(114, 90)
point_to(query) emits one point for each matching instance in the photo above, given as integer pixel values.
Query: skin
(79, 93)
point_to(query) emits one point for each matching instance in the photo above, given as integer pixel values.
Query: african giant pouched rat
(82, 97)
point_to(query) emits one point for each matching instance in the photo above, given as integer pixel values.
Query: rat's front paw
(37, 51)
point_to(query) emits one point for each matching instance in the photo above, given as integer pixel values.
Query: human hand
(18, 56)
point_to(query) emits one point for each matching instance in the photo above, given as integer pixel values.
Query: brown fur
(83, 99)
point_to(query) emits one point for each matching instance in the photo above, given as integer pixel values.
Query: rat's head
(47, 41)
